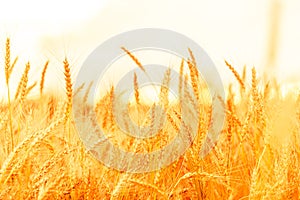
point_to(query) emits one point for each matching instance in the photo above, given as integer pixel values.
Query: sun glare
(150, 94)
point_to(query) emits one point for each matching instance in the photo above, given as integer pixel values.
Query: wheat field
(256, 157)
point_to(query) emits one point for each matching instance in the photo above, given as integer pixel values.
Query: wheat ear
(43, 77)
(24, 82)
(7, 69)
(12, 66)
(28, 90)
(69, 91)
(77, 90)
(137, 62)
(7, 60)
(194, 75)
(23, 79)
(86, 95)
(236, 74)
(136, 89)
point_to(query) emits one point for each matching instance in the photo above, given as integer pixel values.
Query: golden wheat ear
(69, 90)
(164, 89)
(194, 74)
(136, 89)
(12, 66)
(8, 69)
(7, 60)
(42, 82)
(236, 75)
(137, 62)
(86, 95)
(23, 81)
(30, 88)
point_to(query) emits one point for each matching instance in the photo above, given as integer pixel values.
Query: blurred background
(260, 33)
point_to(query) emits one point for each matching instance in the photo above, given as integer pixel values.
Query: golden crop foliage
(257, 155)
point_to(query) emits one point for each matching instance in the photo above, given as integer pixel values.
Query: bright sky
(234, 30)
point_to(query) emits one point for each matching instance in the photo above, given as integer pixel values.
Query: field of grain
(256, 157)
